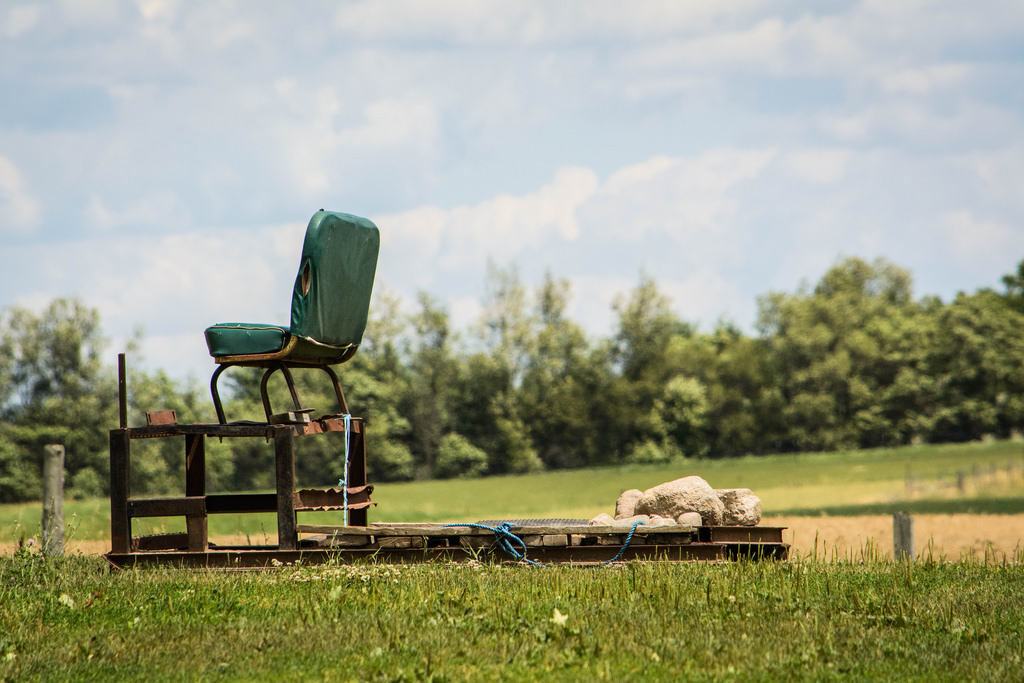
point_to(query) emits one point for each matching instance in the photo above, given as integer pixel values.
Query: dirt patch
(949, 536)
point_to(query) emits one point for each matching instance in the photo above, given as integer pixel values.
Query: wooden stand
(196, 504)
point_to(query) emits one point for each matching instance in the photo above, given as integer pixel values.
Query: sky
(160, 159)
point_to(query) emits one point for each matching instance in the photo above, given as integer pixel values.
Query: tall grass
(866, 619)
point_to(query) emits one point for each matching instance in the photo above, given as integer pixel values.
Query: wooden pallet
(406, 543)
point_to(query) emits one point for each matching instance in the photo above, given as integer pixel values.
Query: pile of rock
(689, 501)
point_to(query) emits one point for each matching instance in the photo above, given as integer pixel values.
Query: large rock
(627, 522)
(742, 507)
(625, 506)
(603, 519)
(689, 519)
(689, 494)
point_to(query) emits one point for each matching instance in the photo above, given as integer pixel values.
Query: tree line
(855, 361)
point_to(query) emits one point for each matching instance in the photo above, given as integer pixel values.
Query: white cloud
(592, 297)
(980, 242)
(326, 143)
(19, 209)
(535, 22)
(158, 209)
(924, 80)
(499, 227)
(691, 199)
(819, 166)
(20, 20)
(703, 297)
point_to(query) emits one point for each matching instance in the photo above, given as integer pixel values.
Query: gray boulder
(625, 506)
(689, 494)
(742, 507)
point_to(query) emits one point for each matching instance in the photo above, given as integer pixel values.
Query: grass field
(832, 611)
(866, 619)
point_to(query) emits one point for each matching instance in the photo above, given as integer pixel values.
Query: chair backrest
(331, 297)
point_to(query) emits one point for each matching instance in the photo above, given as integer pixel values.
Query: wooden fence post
(53, 500)
(903, 536)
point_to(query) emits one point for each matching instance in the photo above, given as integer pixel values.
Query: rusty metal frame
(270, 367)
(196, 505)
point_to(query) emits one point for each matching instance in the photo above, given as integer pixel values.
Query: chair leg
(337, 389)
(288, 380)
(216, 395)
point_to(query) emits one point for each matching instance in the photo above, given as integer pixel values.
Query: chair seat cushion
(242, 339)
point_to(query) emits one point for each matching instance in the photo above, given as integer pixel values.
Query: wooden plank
(336, 541)
(407, 529)
(741, 534)
(266, 557)
(120, 520)
(401, 542)
(284, 457)
(195, 485)
(476, 543)
(225, 503)
(160, 542)
(167, 507)
(161, 417)
(357, 469)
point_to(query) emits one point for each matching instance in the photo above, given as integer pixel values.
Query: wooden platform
(408, 543)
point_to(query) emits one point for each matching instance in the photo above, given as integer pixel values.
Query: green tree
(836, 352)
(640, 352)
(976, 364)
(57, 389)
(458, 458)
(564, 384)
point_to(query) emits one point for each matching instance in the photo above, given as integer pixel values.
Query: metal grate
(536, 522)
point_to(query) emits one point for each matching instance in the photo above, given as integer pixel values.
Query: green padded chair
(330, 303)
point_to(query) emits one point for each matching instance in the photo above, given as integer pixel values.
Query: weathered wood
(337, 541)
(227, 503)
(53, 500)
(401, 542)
(284, 454)
(175, 541)
(120, 521)
(475, 543)
(407, 529)
(903, 536)
(195, 485)
(194, 506)
(579, 555)
(357, 468)
(161, 417)
(740, 534)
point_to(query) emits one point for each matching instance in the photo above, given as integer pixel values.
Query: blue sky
(160, 159)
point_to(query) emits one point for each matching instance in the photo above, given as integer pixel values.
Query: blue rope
(625, 544)
(343, 482)
(508, 541)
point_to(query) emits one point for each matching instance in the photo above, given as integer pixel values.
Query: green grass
(862, 619)
(848, 483)
(941, 506)
(858, 617)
